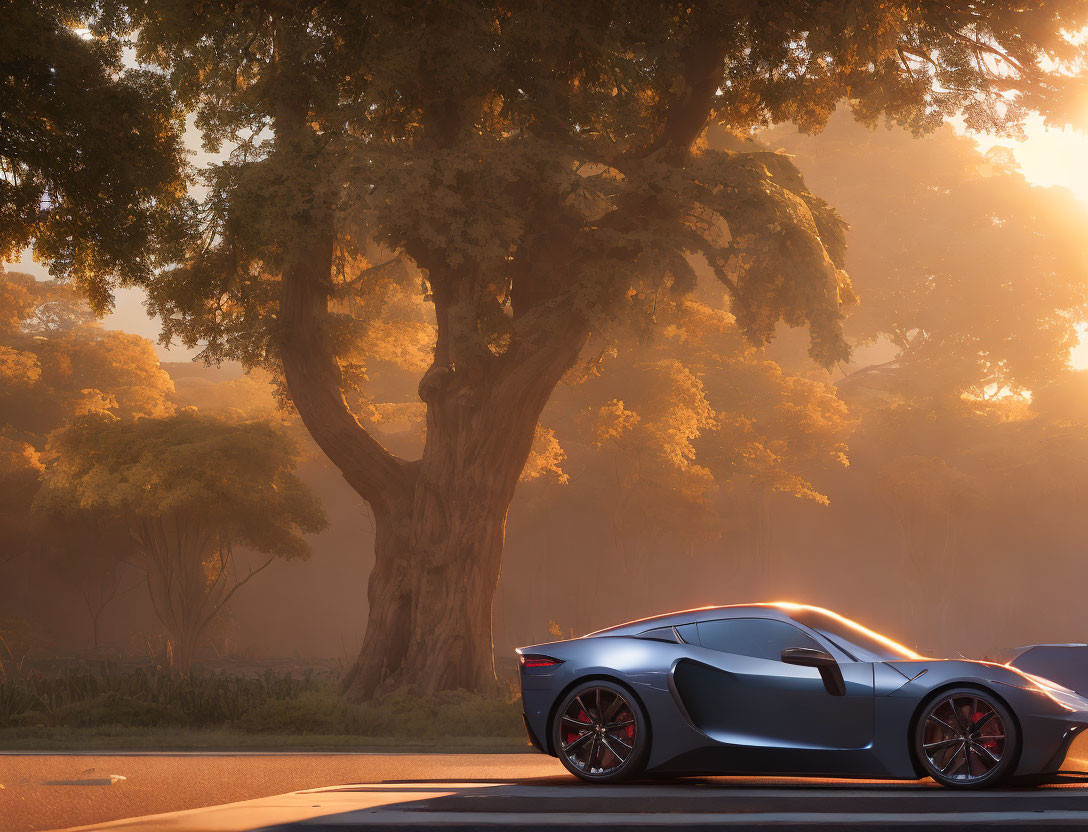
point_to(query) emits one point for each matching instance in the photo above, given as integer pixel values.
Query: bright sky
(1047, 157)
(1053, 157)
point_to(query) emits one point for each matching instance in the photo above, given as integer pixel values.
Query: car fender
(1045, 725)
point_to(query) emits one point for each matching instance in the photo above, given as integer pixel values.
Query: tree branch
(980, 46)
(310, 368)
(704, 65)
(252, 574)
(314, 378)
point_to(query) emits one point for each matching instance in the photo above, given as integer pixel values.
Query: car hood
(1005, 674)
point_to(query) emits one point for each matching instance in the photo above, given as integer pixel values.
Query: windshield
(860, 643)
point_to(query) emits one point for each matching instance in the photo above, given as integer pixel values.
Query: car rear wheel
(966, 738)
(600, 733)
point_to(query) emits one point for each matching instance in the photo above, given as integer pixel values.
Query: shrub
(147, 697)
(311, 712)
(263, 704)
(446, 715)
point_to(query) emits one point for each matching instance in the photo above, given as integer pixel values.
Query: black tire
(965, 738)
(593, 728)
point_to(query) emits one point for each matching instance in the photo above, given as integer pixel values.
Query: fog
(932, 488)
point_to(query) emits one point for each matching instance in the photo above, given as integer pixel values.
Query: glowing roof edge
(786, 605)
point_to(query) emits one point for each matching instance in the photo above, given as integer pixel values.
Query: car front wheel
(600, 733)
(966, 738)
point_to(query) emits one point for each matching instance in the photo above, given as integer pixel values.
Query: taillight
(539, 661)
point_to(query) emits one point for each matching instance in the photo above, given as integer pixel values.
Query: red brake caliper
(985, 743)
(582, 717)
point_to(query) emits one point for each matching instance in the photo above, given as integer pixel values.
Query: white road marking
(406, 805)
(548, 819)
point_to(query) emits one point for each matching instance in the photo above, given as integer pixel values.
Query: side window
(688, 633)
(760, 638)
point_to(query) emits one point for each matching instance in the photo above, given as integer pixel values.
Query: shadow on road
(689, 803)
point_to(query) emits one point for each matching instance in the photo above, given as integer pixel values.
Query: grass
(125, 738)
(149, 708)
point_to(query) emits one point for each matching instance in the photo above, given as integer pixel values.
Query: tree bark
(440, 521)
(437, 556)
(435, 575)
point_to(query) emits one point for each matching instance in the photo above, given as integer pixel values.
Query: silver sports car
(789, 689)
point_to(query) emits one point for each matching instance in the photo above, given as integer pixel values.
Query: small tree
(189, 489)
(57, 363)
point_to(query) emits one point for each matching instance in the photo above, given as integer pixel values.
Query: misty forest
(484, 324)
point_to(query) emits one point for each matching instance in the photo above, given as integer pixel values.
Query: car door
(742, 692)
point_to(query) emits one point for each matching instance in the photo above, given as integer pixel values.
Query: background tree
(190, 489)
(973, 276)
(690, 437)
(538, 166)
(972, 284)
(56, 363)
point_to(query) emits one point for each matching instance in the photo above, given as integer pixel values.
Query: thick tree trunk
(429, 627)
(439, 521)
(438, 554)
(435, 574)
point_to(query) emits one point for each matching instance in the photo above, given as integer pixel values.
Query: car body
(791, 689)
(1065, 664)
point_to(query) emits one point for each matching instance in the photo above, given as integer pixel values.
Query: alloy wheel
(964, 739)
(598, 732)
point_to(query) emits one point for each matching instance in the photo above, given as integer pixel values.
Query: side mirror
(808, 657)
(822, 661)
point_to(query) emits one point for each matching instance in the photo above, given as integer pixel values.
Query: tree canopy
(92, 168)
(537, 172)
(56, 363)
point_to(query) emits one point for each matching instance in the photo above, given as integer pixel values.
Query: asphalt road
(456, 793)
(54, 791)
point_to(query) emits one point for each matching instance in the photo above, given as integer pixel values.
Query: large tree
(537, 169)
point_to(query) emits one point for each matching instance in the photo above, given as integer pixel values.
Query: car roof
(675, 619)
